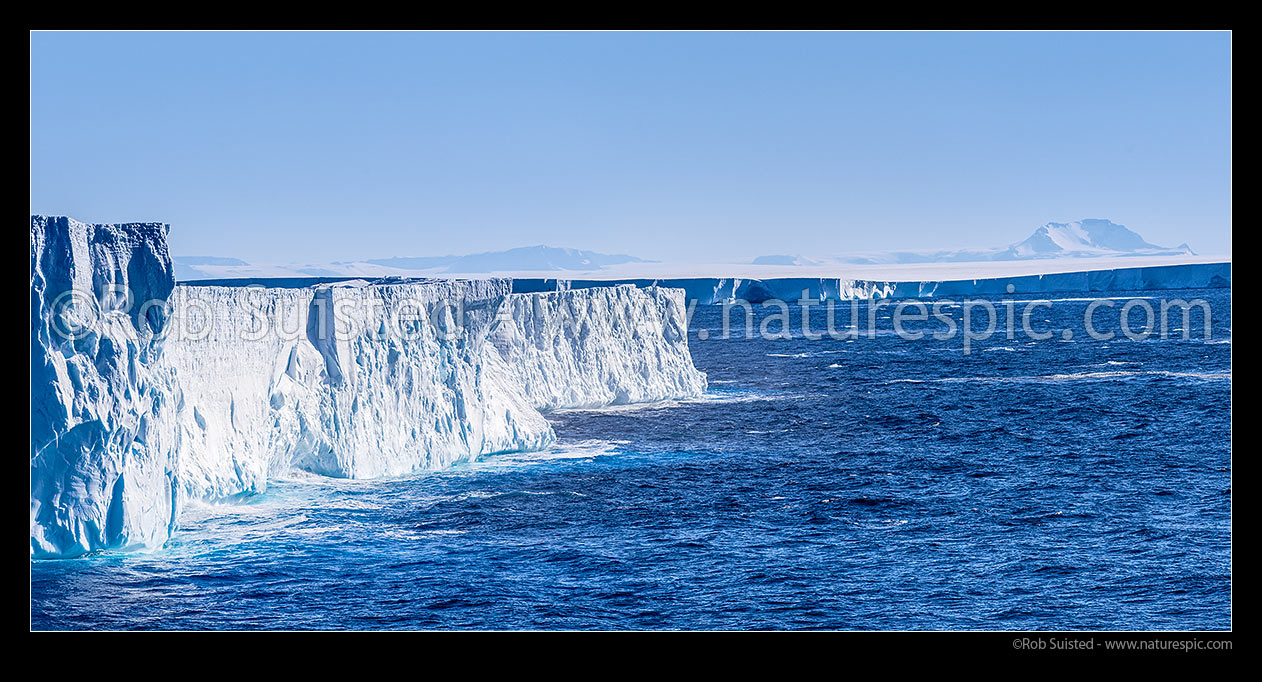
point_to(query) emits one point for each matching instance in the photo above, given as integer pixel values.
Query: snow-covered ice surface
(216, 389)
(1031, 264)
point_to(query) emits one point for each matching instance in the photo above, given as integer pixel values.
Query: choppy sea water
(870, 483)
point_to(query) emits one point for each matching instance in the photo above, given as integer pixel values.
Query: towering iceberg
(163, 393)
(102, 474)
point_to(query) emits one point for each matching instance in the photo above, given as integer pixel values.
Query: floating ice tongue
(206, 392)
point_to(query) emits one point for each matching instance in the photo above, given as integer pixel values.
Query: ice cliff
(710, 290)
(102, 473)
(188, 392)
(642, 355)
(333, 380)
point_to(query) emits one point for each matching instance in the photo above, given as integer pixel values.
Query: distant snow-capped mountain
(1089, 238)
(1085, 239)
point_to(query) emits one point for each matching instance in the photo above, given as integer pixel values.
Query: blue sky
(308, 147)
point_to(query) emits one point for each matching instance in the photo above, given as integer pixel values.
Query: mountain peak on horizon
(1085, 238)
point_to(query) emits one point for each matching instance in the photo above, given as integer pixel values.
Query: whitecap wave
(1074, 376)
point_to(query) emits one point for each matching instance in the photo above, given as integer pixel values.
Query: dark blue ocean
(866, 483)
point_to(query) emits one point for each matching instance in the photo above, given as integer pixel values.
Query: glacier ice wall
(715, 290)
(335, 381)
(595, 347)
(1187, 276)
(710, 290)
(188, 392)
(102, 474)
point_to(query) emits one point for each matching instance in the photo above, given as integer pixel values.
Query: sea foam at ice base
(142, 412)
